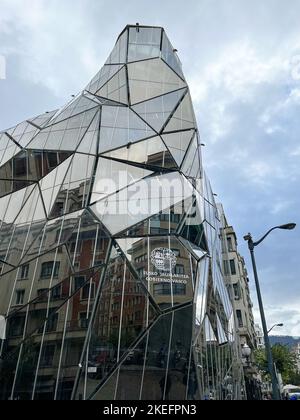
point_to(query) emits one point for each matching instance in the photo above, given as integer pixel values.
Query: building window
(237, 291)
(16, 326)
(138, 315)
(226, 267)
(52, 323)
(56, 292)
(50, 269)
(84, 320)
(23, 272)
(232, 267)
(239, 318)
(47, 356)
(20, 295)
(179, 269)
(88, 291)
(176, 252)
(165, 289)
(229, 244)
(42, 295)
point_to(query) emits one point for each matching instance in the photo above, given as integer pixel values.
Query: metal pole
(276, 394)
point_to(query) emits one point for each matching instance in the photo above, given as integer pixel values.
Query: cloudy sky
(242, 61)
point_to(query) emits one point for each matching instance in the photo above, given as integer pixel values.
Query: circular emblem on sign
(163, 259)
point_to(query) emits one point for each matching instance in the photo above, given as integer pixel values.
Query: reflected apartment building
(105, 304)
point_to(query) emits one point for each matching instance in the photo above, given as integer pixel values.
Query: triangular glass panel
(65, 135)
(112, 176)
(116, 88)
(27, 167)
(90, 140)
(120, 126)
(151, 152)
(23, 133)
(51, 184)
(119, 52)
(11, 205)
(151, 78)
(201, 292)
(157, 111)
(143, 43)
(191, 165)
(8, 149)
(76, 106)
(42, 120)
(163, 223)
(221, 333)
(168, 53)
(74, 191)
(209, 332)
(184, 117)
(106, 73)
(150, 196)
(178, 144)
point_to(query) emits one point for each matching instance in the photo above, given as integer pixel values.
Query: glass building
(111, 282)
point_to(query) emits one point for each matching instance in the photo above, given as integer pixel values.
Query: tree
(284, 359)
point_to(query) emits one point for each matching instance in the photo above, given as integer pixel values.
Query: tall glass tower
(111, 282)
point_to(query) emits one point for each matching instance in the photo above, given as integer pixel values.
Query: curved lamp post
(251, 246)
(274, 326)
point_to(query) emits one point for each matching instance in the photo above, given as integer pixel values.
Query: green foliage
(284, 360)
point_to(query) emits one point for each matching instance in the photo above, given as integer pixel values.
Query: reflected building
(111, 281)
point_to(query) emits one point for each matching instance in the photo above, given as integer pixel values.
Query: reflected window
(52, 323)
(50, 269)
(88, 291)
(20, 295)
(229, 244)
(232, 267)
(239, 318)
(84, 320)
(163, 289)
(42, 295)
(56, 292)
(48, 356)
(16, 326)
(23, 272)
(179, 269)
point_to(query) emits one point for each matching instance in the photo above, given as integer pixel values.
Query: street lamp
(276, 325)
(246, 352)
(251, 246)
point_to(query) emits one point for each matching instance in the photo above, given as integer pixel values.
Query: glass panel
(113, 176)
(106, 73)
(184, 117)
(76, 106)
(157, 111)
(118, 54)
(121, 126)
(178, 144)
(165, 266)
(116, 88)
(149, 196)
(168, 53)
(151, 78)
(144, 43)
(150, 152)
(74, 192)
(65, 135)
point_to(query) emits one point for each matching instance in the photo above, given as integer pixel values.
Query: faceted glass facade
(111, 281)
